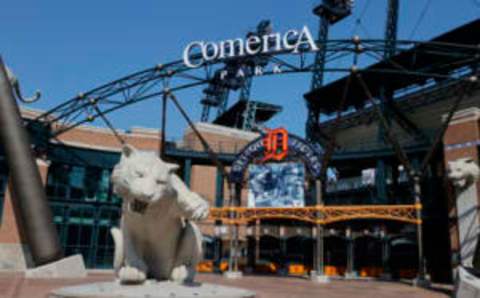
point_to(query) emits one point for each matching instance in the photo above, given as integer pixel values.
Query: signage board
(276, 185)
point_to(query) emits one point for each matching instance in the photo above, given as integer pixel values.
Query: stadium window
(81, 184)
(76, 183)
(103, 192)
(58, 182)
(91, 183)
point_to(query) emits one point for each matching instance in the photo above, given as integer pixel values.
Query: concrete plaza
(15, 285)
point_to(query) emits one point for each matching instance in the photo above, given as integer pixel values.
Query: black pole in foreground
(28, 193)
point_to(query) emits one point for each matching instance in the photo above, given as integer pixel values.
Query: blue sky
(67, 47)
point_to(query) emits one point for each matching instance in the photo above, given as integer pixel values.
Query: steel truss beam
(318, 214)
(151, 83)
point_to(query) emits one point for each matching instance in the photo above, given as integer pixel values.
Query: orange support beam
(318, 214)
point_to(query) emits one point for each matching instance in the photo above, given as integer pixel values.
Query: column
(350, 272)
(233, 272)
(219, 189)
(385, 254)
(251, 246)
(218, 247)
(258, 228)
(421, 279)
(318, 274)
(283, 251)
(395, 183)
(219, 198)
(380, 181)
(187, 171)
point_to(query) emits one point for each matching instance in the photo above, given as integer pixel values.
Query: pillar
(218, 247)
(187, 171)
(318, 274)
(219, 197)
(350, 272)
(395, 183)
(251, 246)
(219, 189)
(258, 228)
(233, 271)
(385, 254)
(381, 182)
(283, 251)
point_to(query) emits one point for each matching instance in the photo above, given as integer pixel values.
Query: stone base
(14, 257)
(322, 279)
(421, 282)
(467, 285)
(69, 267)
(351, 275)
(150, 289)
(233, 274)
(386, 276)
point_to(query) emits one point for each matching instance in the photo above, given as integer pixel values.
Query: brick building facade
(100, 148)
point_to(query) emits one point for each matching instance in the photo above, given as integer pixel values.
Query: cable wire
(358, 20)
(420, 19)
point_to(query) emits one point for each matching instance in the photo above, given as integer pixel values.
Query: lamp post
(421, 280)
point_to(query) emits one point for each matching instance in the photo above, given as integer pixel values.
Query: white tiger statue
(156, 238)
(463, 172)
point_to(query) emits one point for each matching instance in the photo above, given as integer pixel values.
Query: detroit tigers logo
(275, 143)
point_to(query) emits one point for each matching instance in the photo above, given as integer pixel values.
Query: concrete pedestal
(233, 274)
(421, 282)
(150, 289)
(386, 276)
(467, 285)
(14, 257)
(69, 267)
(351, 275)
(323, 279)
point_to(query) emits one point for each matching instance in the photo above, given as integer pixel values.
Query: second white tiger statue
(156, 238)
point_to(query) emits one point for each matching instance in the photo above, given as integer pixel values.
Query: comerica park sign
(292, 41)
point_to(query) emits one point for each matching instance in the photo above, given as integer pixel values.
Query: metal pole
(385, 253)
(162, 148)
(421, 263)
(235, 245)
(29, 195)
(320, 247)
(233, 258)
(238, 193)
(350, 265)
(232, 232)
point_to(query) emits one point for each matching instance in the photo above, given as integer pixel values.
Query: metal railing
(352, 183)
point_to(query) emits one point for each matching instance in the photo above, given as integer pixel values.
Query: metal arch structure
(175, 76)
(166, 79)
